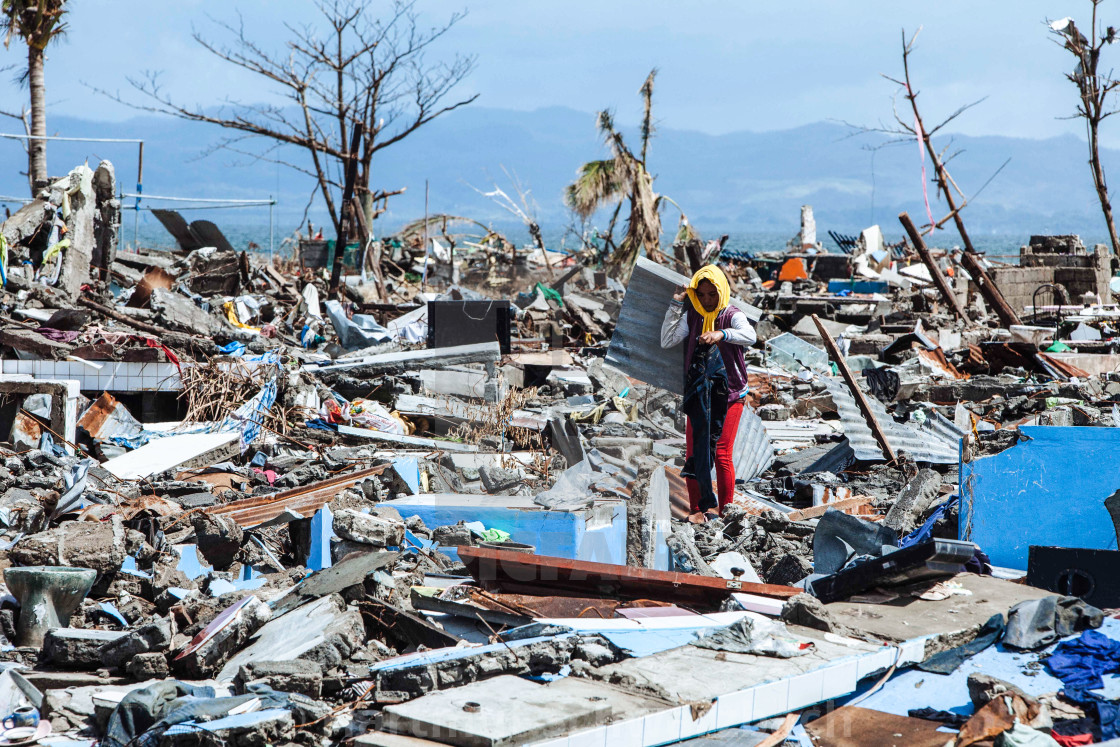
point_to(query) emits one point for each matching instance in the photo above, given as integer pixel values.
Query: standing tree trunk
(37, 149)
(1093, 88)
(1099, 182)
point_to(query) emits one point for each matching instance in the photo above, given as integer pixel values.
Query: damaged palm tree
(624, 176)
(37, 22)
(1093, 89)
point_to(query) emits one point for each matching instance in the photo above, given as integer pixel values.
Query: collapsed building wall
(1059, 260)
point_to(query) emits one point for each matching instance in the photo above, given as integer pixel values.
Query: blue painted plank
(322, 529)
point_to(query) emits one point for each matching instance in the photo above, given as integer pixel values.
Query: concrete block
(504, 710)
(368, 529)
(77, 648)
(63, 393)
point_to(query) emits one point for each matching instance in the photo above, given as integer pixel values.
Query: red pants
(725, 463)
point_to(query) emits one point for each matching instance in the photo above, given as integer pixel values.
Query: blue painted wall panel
(1046, 491)
(559, 534)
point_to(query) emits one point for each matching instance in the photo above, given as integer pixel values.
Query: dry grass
(214, 389)
(496, 422)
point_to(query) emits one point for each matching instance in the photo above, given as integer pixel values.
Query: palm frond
(597, 182)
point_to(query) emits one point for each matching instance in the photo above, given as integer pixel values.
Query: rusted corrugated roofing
(304, 500)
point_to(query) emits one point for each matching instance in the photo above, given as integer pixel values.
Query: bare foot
(697, 518)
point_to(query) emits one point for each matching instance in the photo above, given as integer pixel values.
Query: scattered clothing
(705, 404)
(945, 717)
(947, 662)
(884, 383)
(724, 460)
(1073, 732)
(1080, 663)
(841, 538)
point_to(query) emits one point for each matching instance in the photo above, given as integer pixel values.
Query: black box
(1092, 575)
(452, 323)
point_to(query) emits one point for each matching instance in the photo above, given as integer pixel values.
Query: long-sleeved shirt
(674, 329)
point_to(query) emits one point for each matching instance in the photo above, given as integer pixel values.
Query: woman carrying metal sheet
(715, 384)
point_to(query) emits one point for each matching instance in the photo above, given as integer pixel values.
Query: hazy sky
(725, 65)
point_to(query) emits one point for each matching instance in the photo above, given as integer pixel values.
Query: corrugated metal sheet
(929, 444)
(820, 458)
(753, 452)
(635, 347)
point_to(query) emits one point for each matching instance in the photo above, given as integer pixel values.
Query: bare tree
(525, 209)
(36, 22)
(356, 68)
(908, 128)
(1093, 88)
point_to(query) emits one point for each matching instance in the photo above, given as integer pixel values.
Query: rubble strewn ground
(446, 504)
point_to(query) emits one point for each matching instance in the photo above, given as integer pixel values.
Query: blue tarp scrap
(234, 349)
(925, 531)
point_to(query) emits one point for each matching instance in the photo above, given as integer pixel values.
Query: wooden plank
(857, 393)
(542, 575)
(989, 289)
(934, 271)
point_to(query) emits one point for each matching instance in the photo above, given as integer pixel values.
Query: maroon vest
(733, 359)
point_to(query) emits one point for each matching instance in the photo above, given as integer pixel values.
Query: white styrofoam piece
(165, 453)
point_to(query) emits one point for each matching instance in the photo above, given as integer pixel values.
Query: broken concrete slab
(416, 441)
(82, 544)
(935, 625)
(152, 637)
(368, 529)
(324, 630)
(501, 711)
(224, 635)
(458, 381)
(296, 676)
(77, 258)
(485, 352)
(918, 495)
(176, 312)
(77, 648)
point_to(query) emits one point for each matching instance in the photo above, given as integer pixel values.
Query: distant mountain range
(744, 181)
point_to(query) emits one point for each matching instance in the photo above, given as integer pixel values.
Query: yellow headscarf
(716, 277)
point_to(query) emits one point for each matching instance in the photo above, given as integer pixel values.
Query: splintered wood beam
(934, 271)
(857, 393)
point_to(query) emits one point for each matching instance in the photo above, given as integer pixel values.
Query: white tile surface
(596, 737)
(771, 699)
(735, 708)
(840, 679)
(805, 689)
(663, 727)
(702, 725)
(625, 733)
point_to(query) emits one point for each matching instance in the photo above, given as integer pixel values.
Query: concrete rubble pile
(444, 503)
